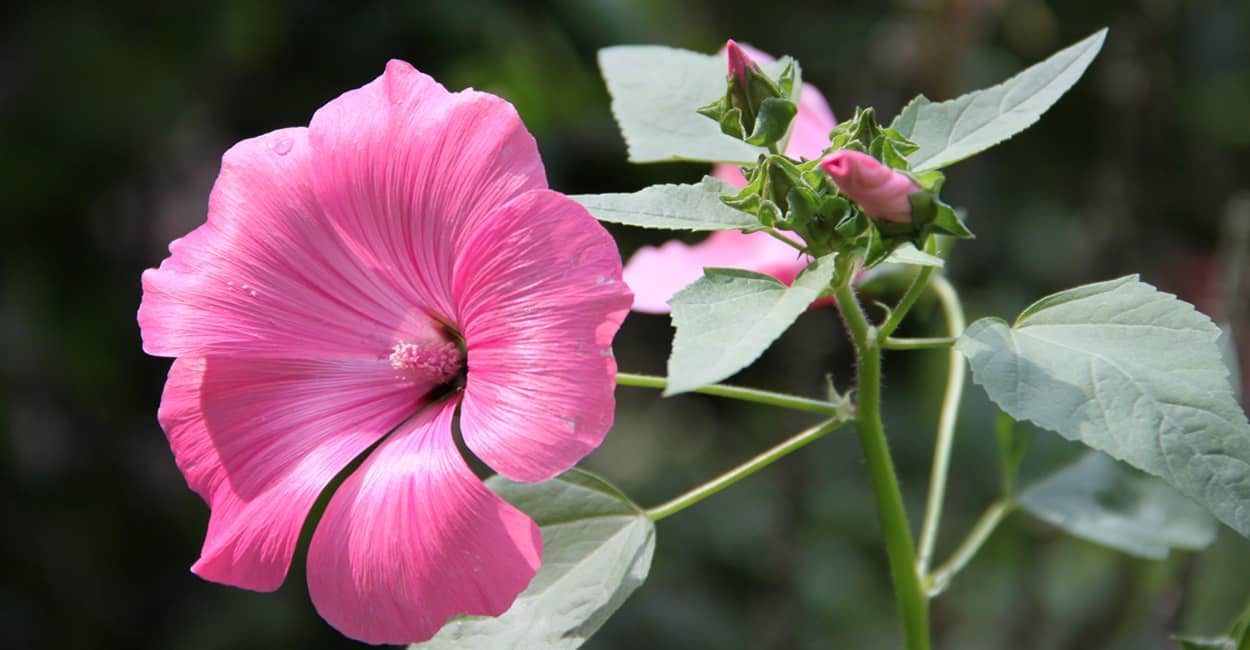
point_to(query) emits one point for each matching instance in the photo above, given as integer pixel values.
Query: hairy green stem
(744, 470)
(770, 398)
(910, 297)
(955, 379)
(940, 579)
(913, 606)
(775, 234)
(893, 343)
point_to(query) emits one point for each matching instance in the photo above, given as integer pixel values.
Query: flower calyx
(867, 163)
(755, 108)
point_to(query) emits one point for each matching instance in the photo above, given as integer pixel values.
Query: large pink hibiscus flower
(656, 273)
(356, 282)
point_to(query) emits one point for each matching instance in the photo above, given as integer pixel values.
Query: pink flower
(655, 274)
(356, 282)
(879, 190)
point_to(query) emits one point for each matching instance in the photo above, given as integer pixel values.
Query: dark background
(113, 117)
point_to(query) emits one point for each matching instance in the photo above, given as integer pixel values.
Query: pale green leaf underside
(950, 131)
(672, 207)
(1131, 371)
(727, 318)
(1231, 357)
(597, 548)
(909, 254)
(1205, 643)
(655, 93)
(1107, 502)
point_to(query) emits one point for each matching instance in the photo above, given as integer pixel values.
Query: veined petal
(655, 274)
(413, 538)
(266, 275)
(407, 169)
(259, 441)
(540, 297)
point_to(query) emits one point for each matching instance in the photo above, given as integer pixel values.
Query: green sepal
(788, 78)
(769, 214)
(930, 180)
(772, 122)
(932, 215)
(759, 111)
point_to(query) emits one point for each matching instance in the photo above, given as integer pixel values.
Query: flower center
(437, 362)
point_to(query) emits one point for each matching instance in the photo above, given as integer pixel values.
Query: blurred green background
(113, 117)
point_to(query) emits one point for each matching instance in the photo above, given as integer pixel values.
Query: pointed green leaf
(1205, 643)
(1131, 371)
(950, 131)
(1109, 503)
(727, 318)
(908, 254)
(597, 548)
(656, 94)
(673, 207)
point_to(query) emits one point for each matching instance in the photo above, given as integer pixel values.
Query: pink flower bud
(879, 190)
(739, 61)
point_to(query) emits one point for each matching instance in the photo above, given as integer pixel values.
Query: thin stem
(953, 310)
(772, 232)
(782, 400)
(940, 579)
(744, 470)
(910, 297)
(893, 343)
(912, 605)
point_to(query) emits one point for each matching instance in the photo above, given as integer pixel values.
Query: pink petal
(809, 135)
(655, 274)
(882, 192)
(413, 538)
(407, 169)
(739, 61)
(541, 296)
(267, 276)
(259, 441)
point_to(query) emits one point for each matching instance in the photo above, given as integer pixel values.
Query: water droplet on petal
(282, 146)
(603, 280)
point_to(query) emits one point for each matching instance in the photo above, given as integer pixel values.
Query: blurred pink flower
(881, 192)
(656, 273)
(357, 281)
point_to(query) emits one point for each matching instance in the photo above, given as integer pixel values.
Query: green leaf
(597, 548)
(674, 207)
(1205, 643)
(1013, 444)
(1109, 503)
(656, 94)
(950, 131)
(727, 318)
(908, 254)
(1228, 347)
(1131, 371)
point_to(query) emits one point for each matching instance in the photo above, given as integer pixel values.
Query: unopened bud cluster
(859, 198)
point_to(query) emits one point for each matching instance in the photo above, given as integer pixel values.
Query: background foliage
(112, 120)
